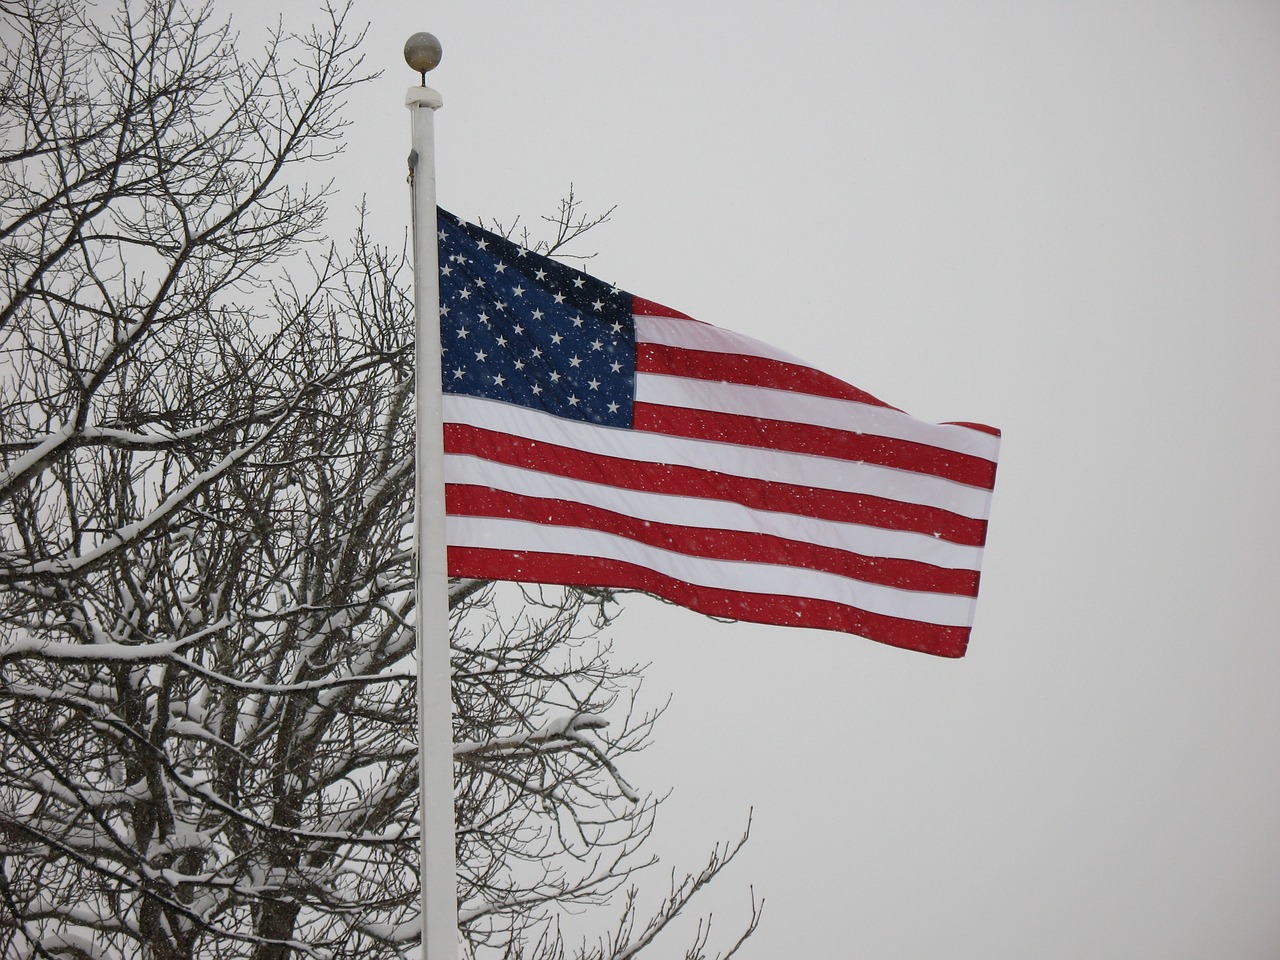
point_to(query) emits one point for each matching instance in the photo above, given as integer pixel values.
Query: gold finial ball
(422, 52)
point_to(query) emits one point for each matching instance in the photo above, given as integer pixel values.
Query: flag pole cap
(422, 52)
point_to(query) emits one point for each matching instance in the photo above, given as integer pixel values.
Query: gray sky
(1062, 219)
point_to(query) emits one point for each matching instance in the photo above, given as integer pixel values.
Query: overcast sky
(1062, 219)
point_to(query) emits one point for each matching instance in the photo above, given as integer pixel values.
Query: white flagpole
(438, 866)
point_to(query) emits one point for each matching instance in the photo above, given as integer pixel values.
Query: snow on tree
(207, 707)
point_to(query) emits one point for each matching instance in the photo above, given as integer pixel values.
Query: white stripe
(695, 335)
(520, 535)
(691, 334)
(792, 406)
(777, 466)
(713, 514)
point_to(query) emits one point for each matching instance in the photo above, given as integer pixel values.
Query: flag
(595, 438)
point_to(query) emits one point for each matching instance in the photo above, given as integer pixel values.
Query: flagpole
(437, 852)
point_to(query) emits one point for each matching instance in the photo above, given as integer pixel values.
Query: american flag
(594, 438)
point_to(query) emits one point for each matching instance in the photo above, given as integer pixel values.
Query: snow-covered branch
(208, 715)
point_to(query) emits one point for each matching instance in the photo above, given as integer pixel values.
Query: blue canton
(524, 329)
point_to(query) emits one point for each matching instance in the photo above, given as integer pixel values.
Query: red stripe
(752, 371)
(819, 441)
(713, 544)
(994, 431)
(694, 482)
(759, 608)
(648, 308)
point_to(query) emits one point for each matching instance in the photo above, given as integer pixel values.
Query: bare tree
(207, 712)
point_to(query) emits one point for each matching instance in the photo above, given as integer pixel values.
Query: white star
(555, 376)
(519, 364)
(537, 314)
(480, 283)
(597, 345)
(462, 333)
(559, 298)
(518, 290)
(444, 309)
(577, 321)
(540, 274)
(536, 389)
(574, 361)
(578, 282)
(442, 235)
(481, 355)
(517, 329)
(502, 341)
(446, 270)
(617, 327)
(537, 353)
(613, 408)
(465, 294)
(500, 267)
(484, 318)
(597, 305)
(482, 244)
(573, 401)
(594, 384)
(615, 367)
(499, 380)
(556, 338)
(458, 373)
